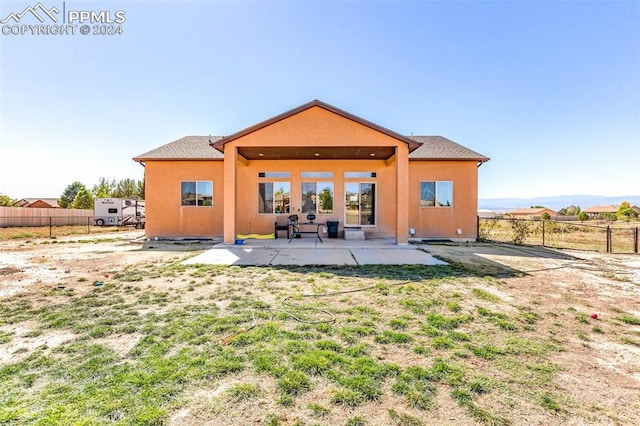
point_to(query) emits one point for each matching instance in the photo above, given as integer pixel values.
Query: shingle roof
(198, 148)
(440, 148)
(186, 148)
(601, 209)
(530, 211)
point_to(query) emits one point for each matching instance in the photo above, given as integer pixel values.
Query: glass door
(360, 204)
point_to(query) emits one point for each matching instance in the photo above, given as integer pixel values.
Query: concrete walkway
(306, 251)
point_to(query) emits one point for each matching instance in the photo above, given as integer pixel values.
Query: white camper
(119, 212)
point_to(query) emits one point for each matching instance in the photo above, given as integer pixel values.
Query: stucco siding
(165, 216)
(443, 222)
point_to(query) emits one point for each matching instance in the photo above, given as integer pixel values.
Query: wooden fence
(26, 216)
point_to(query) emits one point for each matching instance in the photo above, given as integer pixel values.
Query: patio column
(402, 194)
(229, 221)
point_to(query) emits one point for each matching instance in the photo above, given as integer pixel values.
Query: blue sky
(549, 90)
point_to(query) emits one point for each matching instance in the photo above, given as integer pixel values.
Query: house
(532, 213)
(316, 159)
(597, 212)
(43, 203)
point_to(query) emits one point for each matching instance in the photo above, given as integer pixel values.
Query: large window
(274, 197)
(436, 194)
(197, 193)
(317, 197)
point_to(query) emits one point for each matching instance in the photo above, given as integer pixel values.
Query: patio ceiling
(322, 153)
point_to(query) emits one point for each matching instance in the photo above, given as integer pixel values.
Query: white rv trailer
(119, 212)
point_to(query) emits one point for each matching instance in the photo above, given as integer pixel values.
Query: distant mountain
(555, 203)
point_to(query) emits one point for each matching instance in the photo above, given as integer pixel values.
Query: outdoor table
(298, 231)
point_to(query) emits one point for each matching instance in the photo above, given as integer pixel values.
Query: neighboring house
(596, 212)
(486, 214)
(312, 159)
(532, 213)
(42, 203)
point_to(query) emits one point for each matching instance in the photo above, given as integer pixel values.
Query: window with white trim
(196, 193)
(436, 194)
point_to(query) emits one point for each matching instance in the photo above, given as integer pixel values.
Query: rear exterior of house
(313, 159)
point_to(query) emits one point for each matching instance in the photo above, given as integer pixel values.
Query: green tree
(326, 200)
(6, 201)
(569, 211)
(538, 207)
(69, 194)
(104, 188)
(546, 216)
(582, 216)
(625, 212)
(83, 200)
(141, 187)
(125, 188)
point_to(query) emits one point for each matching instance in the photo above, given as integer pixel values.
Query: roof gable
(319, 104)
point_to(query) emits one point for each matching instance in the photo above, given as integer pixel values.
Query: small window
(274, 197)
(274, 174)
(317, 175)
(359, 174)
(197, 193)
(113, 211)
(436, 194)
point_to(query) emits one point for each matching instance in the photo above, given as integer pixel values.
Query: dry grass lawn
(105, 331)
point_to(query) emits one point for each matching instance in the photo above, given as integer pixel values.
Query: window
(436, 194)
(197, 193)
(274, 175)
(317, 197)
(274, 197)
(359, 174)
(317, 175)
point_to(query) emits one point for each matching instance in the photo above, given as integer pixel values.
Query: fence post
(478, 228)
(608, 239)
(49, 226)
(543, 226)
(88, 225)
(635, 241)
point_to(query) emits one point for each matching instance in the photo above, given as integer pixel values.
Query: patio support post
(402, 194)
(230, 160)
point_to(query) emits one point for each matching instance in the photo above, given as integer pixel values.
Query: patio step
(353, 233)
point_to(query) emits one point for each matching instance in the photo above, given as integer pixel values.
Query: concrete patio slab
(394, 257)
(234, 256)
(314, 257)
(281, 253)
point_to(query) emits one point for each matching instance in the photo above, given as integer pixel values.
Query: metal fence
(15, 227)
(612, 238)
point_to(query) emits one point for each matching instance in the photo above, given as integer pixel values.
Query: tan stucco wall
(249, 221)
(165, 217)
(314, 127)
(442, 222)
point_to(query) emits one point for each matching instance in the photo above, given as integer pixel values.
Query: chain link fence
(614, 238)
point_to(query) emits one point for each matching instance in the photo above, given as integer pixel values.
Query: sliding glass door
(360, 204)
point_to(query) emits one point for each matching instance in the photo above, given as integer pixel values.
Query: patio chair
(292, 221)
(281, 227)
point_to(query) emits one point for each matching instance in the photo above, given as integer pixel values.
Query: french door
(360, 204)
